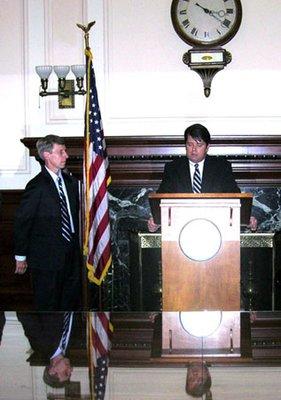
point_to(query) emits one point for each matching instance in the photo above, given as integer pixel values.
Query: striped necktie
(196, 187)
(65, 218)
(65, 331)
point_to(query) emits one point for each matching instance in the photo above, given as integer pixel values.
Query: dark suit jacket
(44, 331)
(217, 177)
(37, 230)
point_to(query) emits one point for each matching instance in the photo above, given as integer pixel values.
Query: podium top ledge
(159, 196)
(246, 202)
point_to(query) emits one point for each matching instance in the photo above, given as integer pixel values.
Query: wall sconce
(66, 88)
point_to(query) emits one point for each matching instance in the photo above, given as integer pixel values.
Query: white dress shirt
(55, 179)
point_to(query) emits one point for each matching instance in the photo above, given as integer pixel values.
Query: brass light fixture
(66, 88)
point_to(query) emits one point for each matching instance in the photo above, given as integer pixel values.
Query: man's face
(197, 374)
(62, 369)
(196, 149)
(57, 158)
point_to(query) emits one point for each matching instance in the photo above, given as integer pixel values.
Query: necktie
(65, 218)
(65, 331)
(196, 187)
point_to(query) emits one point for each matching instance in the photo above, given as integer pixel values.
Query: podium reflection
(230, 355)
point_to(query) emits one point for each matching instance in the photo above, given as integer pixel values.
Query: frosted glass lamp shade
(61, 71)
(78, 70)
(44, 71)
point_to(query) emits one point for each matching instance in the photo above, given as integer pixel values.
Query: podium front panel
(201, 333)
(205, 275)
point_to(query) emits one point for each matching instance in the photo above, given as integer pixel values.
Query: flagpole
(86, 29)
(90, 355)
(97, 242)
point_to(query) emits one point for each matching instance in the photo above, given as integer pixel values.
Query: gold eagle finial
(86, 29)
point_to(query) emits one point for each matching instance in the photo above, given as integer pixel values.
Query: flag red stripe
(102, 192)
(101, 228)
(98, 232)
(95, 166)
(97, 246)
(104, 320)
(102, 260)
(98, 344)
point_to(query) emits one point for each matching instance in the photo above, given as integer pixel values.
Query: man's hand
(253, 224)
(152, 227)
(21, 267)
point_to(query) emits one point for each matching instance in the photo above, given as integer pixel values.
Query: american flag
(100, 330)
(97, 246)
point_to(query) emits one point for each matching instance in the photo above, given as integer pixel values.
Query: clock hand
(213, 14)
(220, 13)
(207, 11)
(210, 12)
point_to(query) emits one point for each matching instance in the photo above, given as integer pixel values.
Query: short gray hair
(47, 143)
(53, 380)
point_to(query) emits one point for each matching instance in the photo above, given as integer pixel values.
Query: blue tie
(65, 218)
(196, 187)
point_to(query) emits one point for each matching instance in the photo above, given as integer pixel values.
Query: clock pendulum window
(206, 26)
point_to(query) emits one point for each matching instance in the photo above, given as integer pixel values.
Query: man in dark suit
(46, 236)
(51, 336)
(215, 173)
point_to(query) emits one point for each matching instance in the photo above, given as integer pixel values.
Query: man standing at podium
(198, 172)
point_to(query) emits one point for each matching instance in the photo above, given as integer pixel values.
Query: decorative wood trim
(140, 160)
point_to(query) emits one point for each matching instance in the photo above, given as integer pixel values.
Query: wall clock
(207, 23)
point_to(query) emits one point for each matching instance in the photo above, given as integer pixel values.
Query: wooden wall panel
(15, 290)
(136, 161)
(140, 160)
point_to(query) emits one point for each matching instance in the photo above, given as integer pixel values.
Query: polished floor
(21, 376)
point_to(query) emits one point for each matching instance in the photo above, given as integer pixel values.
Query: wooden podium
(201, 249)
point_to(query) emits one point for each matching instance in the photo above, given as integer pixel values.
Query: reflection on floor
(22, 369)
(151, 357)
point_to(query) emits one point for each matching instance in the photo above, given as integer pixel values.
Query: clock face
(206, 22)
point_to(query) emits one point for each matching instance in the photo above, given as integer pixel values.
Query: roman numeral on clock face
(194, 31)
(226, 23)
(186, 23)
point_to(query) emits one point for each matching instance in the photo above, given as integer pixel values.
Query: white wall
(144, 87)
